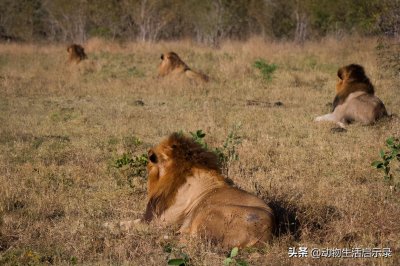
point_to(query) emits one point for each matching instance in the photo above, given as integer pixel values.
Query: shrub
(266, 69)
(136, 163)
(231, 260)
(227, 153)
(392, 152)
(131, 164)
(180, 257)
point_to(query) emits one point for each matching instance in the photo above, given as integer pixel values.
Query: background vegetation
(206, 21)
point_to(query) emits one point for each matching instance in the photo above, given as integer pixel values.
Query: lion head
(171, 62)
(352, 72)
(76, 53)
(170, 163)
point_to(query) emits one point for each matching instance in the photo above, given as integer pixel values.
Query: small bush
(136, 163)
(266, 69)
(232, 260)
(131, 165)
(180, 257)
(124, 160)
(198, 137)
(227, 153)
(392, 152)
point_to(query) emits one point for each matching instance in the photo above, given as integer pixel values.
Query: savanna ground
(63, 129)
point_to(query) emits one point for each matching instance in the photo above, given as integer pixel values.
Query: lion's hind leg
(233, 225)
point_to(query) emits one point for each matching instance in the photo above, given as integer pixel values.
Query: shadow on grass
(291, 219)
(287, 222)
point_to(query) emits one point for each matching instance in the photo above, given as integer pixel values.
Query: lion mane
(352, 78)
(186, 154)
(355, 99)
(76, 53)
(171, 63)
(185, 187)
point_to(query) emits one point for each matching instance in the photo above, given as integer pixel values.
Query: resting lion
(172, 64)
(355, 100)
(185, 188)
(76, 53)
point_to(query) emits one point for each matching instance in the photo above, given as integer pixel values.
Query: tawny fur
(355, 97)
(76, 53)
(186, 188)
(171, 64)
(352, 78)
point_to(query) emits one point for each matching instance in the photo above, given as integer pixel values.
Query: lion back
(363, 107)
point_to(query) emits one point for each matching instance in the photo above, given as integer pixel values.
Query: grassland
(63, 127)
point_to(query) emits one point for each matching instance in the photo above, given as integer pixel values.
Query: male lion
(76, 53)
(355, 99)
(185, 188)
(172, 64)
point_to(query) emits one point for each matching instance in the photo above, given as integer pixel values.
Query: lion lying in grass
(185, 188)
(355, 100)
(172, 64)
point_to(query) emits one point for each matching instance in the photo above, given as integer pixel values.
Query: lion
(352, 78)
(355, 99)
(185, 188)
(171, 63)
(76, 53)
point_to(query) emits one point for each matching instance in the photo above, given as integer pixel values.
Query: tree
(68, 19)
(21, 20)
(150, 17)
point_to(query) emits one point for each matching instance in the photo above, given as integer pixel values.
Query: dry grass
(63, 127)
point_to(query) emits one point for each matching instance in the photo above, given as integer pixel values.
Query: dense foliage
(206, 21)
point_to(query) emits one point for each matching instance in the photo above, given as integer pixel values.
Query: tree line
(205, 21)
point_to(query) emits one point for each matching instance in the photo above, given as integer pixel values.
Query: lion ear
(162, 56)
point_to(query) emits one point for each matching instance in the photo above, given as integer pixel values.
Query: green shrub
(180, 257)
(136, 163)
(266, 69)
(131, 165)
(392, 152)
(231, 260)
(227, 153)
(198, 137)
